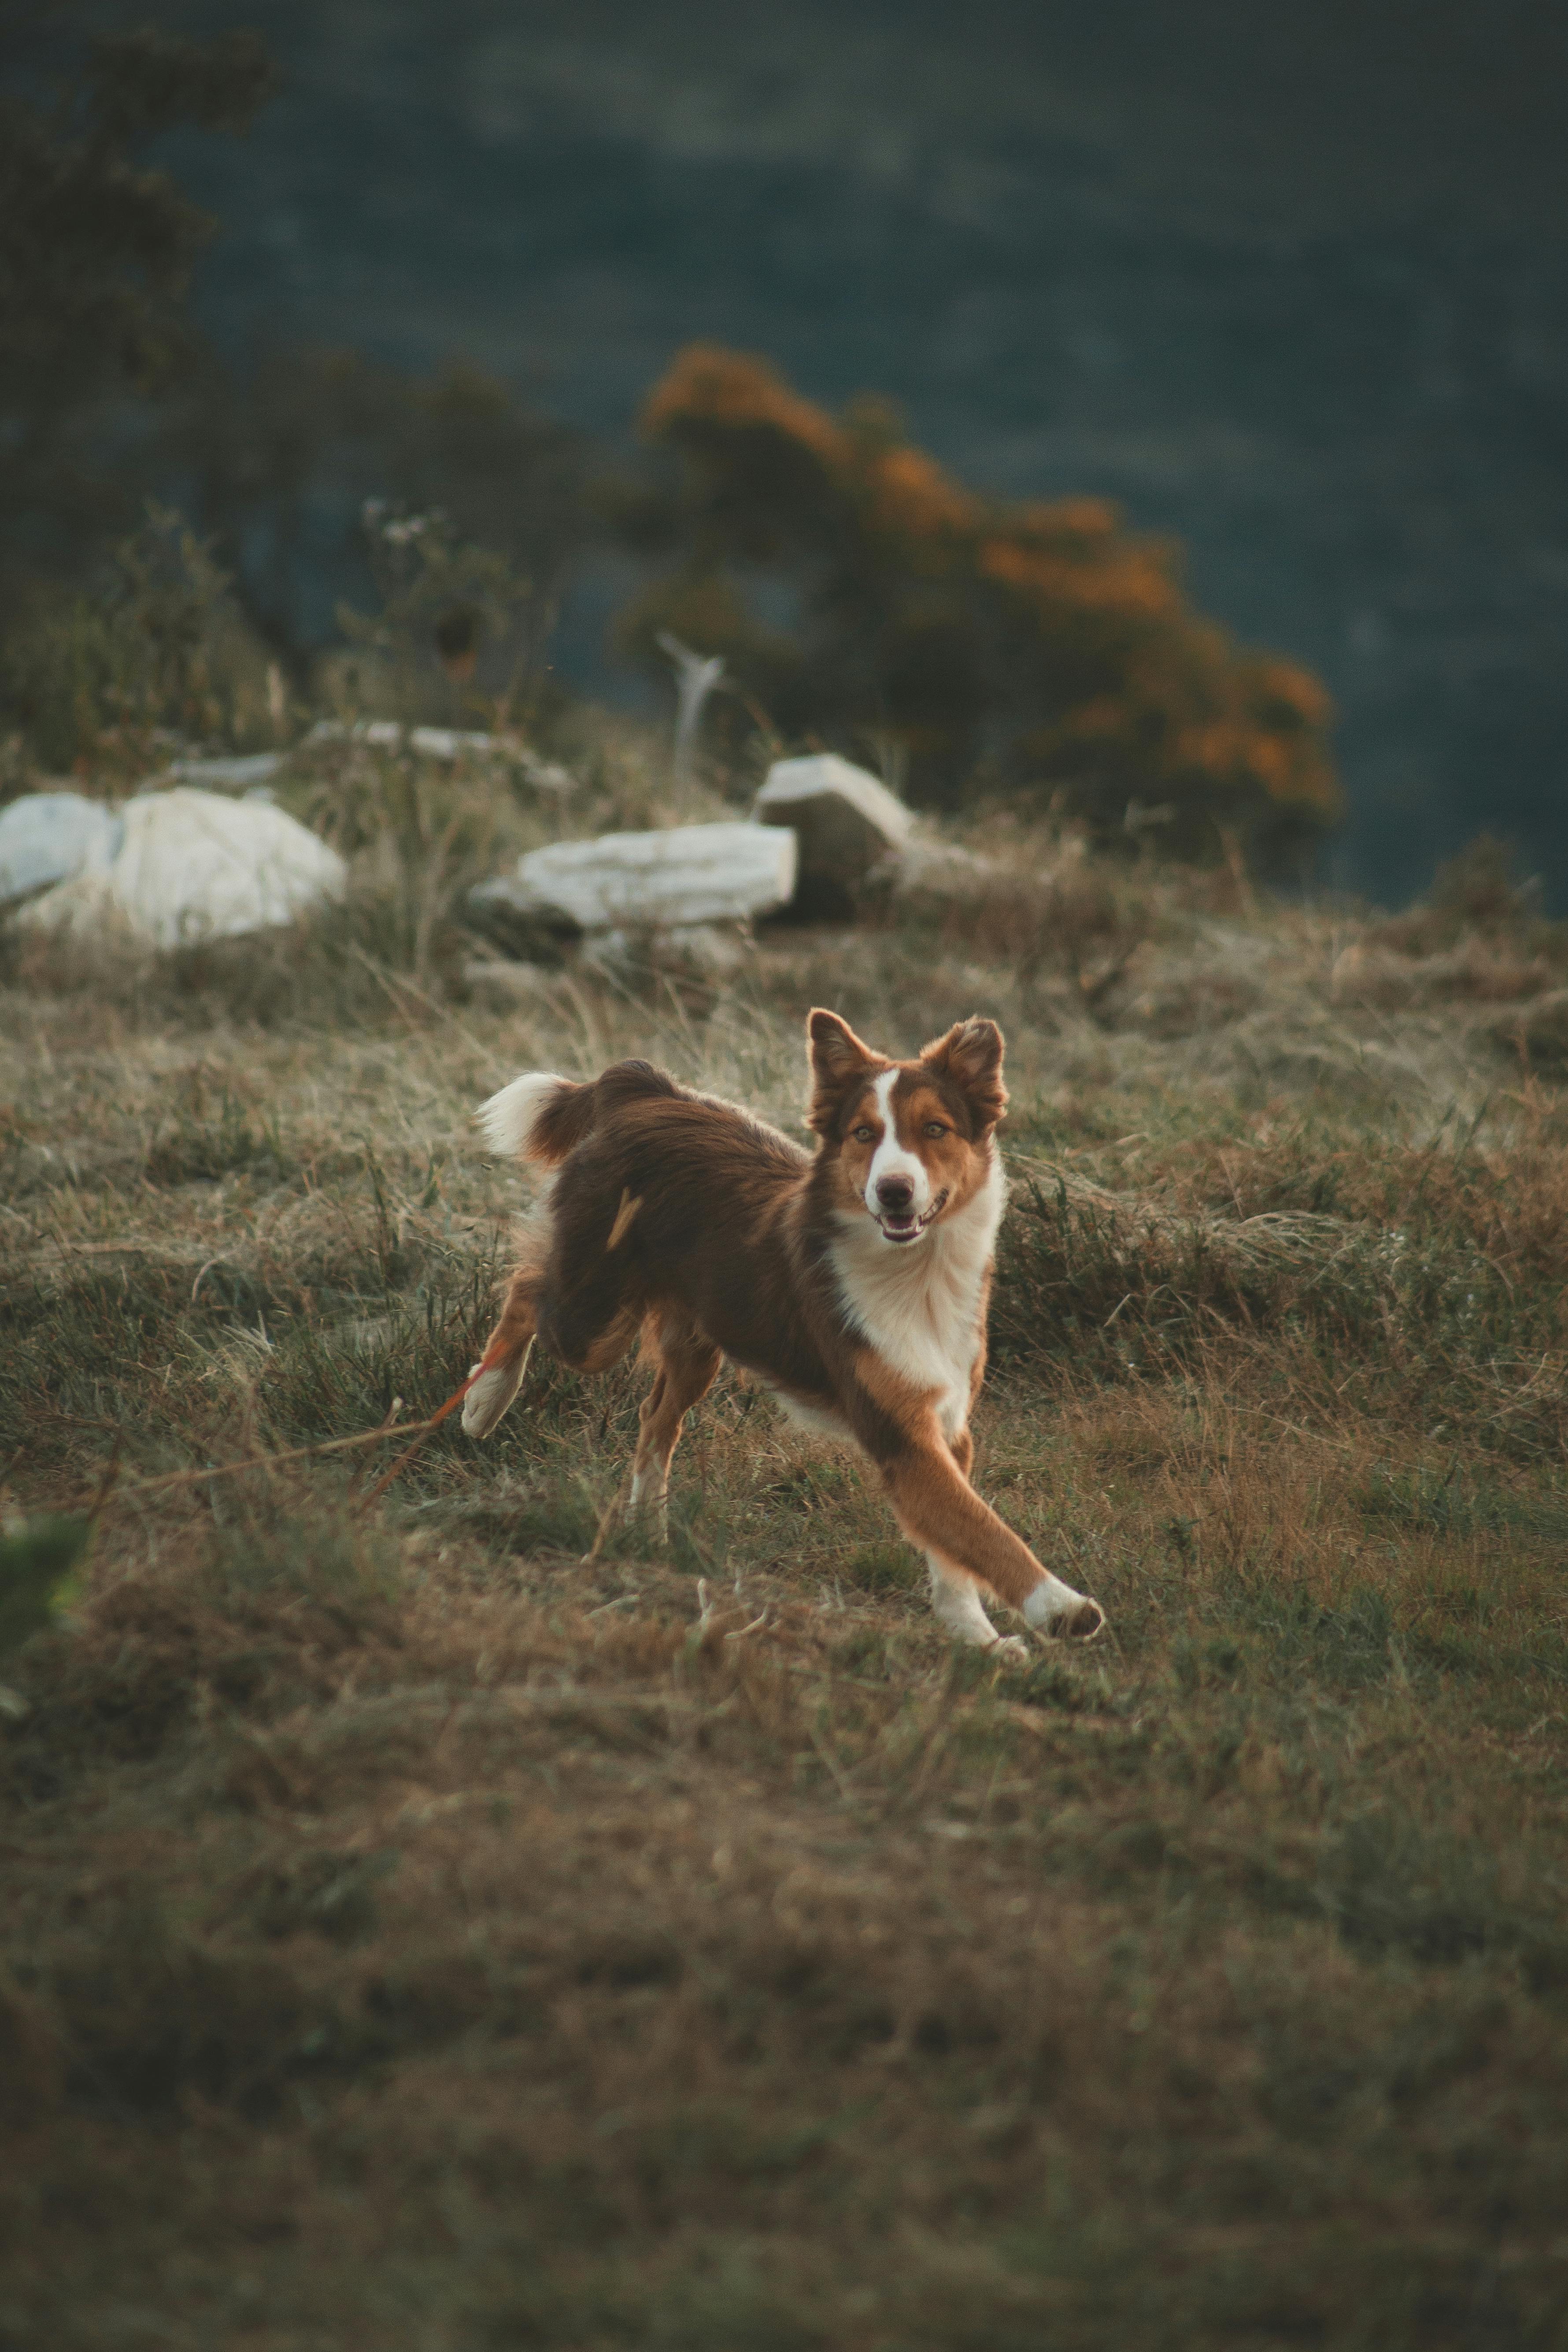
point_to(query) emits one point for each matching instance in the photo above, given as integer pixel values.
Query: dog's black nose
(895, 1191)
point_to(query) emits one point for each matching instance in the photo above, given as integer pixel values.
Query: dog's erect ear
(839, 1061)
(970, 1055)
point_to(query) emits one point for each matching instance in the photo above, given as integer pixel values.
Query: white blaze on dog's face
(912, 1139)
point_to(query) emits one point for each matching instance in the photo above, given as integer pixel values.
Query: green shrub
(152, 658)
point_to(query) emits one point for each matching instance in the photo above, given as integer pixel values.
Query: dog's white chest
(919, 1305)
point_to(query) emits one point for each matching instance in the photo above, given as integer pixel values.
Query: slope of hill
(416, 1936)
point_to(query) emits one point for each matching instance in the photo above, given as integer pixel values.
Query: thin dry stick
(422, 1432)
(295, 1453)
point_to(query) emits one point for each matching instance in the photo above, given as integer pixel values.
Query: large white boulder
(646, 881)
(45, 837)
(195, 865)
(846, 820)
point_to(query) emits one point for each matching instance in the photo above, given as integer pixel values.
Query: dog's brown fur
(690, 1221)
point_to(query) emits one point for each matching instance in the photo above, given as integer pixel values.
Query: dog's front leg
(955, 1597)
(967, 1546)
(959, 1609)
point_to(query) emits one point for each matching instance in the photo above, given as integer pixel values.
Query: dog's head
(910, 1141)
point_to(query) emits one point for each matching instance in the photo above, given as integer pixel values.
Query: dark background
(1287, 282)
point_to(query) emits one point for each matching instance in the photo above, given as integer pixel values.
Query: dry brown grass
(413, 1937)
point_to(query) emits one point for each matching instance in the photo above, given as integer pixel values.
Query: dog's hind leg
(688, 1361)
(610, 1519)
(507, 1350)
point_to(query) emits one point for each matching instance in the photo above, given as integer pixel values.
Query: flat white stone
(449, 742)
(432, 742)
(655, 881)
(545, 775)
(255, 768)
(385, 734)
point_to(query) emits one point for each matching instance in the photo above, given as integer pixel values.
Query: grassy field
(413, 1938)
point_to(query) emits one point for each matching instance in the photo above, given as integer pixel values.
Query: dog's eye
(935, 1126)
(865, 1134)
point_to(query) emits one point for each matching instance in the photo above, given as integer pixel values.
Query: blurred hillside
(1291, 293)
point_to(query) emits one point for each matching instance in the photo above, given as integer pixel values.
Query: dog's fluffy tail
(542, 1118)
(539, 1117)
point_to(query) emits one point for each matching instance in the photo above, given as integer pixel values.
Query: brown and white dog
(852, 1281)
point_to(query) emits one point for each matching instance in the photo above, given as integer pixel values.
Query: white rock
(545, 775)
(254, 767)
(652, 881)
(846, 819)
(385, 733)
(45, 837)
(449, 742)
(195, 866)
(431, 742)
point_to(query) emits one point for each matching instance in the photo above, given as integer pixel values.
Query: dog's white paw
(1012, 1646)
(1055, 1609)
(490, 1397)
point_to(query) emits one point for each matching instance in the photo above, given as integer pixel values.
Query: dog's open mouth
(908, 1229)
